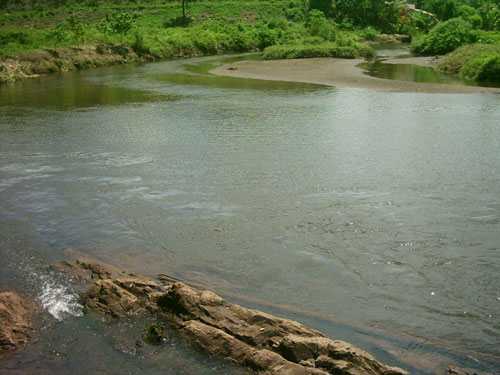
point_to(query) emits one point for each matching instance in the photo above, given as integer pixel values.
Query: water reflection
(198, 73)
(72, 91)
(410, 72)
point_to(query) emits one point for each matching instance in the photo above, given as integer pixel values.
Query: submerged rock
(256, 340)
(15, 327)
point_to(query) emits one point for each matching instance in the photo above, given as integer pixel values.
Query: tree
(58, 35)
(120, 23)
(184, 2)
(77, 28)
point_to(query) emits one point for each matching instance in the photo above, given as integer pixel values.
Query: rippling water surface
(378, 212)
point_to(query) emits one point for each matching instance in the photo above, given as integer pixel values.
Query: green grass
(216, 27)
(325, 49)
(478, 62)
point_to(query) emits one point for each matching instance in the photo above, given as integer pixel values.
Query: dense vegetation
(287, 28)
(449, 35)
(478, 62)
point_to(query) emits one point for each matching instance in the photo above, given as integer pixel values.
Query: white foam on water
(58, 300)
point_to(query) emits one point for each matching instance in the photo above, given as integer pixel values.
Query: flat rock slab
(15, 327)
(262, 342)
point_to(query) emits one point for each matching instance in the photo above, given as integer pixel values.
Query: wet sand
(340, 73)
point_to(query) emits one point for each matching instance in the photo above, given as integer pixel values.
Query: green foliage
(470, 15)
(77, 29)
(324, 6)
(383, 15)
(478, 62)
(295, 11)
(13, 40)
(368, 33)
(117, 23)
(206, 43)
(319, 50)
(443, 9)
(15, 36)
(318, 25)
(181, 21)
(444, 37)
(58, 35)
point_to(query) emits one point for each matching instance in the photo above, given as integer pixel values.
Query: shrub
(470, 15)
(180, 21)
(206, 42)
(58, 34)
(318, 25)
(368, 33)
(15, 36)
(444, 37)
(489, 70)
(320, 50)
(478, 62)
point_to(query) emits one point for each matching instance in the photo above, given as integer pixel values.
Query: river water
(371, 216)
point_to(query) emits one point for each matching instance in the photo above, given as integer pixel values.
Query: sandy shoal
(340, 73)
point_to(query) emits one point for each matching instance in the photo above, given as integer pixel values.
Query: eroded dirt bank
(34, 64)
(261, 342)
(339, 72)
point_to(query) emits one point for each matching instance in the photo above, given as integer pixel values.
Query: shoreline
(342, 73)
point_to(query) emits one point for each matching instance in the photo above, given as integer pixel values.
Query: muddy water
(372, 216)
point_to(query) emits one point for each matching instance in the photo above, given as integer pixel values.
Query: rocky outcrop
(256, 340)
(112, 292)
(263, 342)
(15, 327)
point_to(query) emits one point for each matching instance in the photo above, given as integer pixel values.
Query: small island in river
(341, 73)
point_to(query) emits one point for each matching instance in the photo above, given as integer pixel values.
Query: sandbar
(340, 73)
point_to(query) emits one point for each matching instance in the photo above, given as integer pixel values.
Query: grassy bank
(478, 62)
(40, 40)
(36, 38)
(36, 63)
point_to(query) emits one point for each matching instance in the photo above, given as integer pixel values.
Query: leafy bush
(206, 42)
(318, 25)
(470, 15)
(320, 50)
(181, 21)
(15, 36)
(117, 23)
(488, 70)
(58, 35)
(368, 33)
(444, 37)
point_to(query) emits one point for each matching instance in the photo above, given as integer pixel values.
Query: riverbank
(341, 73)
(42, 62)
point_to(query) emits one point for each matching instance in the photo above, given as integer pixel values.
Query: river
(374, 217)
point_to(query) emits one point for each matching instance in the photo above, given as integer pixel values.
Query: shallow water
(379, 68)
(378, 212)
